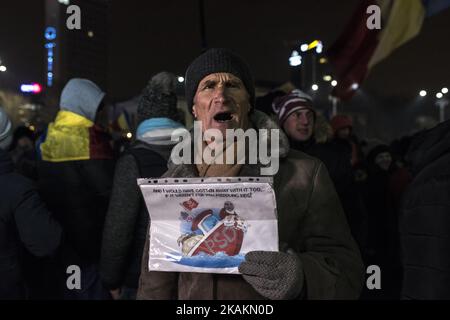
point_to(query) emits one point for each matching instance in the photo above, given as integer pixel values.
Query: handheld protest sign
(208, 224)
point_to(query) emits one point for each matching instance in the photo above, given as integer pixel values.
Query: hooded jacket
(425, 220)
(74, 135)
(24, 223)
(76, 169)
(310, 221)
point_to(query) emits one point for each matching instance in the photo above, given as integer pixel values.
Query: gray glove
(274, 275)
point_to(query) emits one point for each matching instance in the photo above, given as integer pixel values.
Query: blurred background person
(343, 136)
(75, 178)
(299, 120)
(25, 222)
(127, 218)
(384, 189)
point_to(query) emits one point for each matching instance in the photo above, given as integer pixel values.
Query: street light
(439, 95)
(444, 90)
(33, 88)
(319, 47)
(442, 104)
(334, 83)
(315, 87)
(180, 79)
(327, 78)
(355, 86)
(422, 93)
(295, 59)
(2, 69)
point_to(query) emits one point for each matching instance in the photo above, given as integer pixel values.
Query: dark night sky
(169, 33)
(149, 36)
(21, 44)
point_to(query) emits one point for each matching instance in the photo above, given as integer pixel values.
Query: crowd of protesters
(66, 199)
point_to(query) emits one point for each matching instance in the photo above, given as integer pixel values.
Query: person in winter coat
(127, 218)
(75, 179)
(343, 136)
(297, 117)
(323, 260)
(25, 222)
(425, 217)
(386, 184)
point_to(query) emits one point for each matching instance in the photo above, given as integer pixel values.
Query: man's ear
(194, 112)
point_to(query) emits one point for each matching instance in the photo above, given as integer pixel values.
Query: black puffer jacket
(425, 221)
(24, 222)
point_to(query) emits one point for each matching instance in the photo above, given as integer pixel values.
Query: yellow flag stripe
(67, 138)
(404, 23)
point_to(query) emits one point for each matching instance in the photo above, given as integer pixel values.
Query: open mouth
(223, 116)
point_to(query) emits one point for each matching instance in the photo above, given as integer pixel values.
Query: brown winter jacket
(310, 221)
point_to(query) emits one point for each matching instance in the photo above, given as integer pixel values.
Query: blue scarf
(157, 130)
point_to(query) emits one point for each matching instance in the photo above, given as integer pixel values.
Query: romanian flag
(122, 123)
(72, 137)
(359, 48)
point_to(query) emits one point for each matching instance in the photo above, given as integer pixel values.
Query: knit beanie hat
(376, 151)
(285, 105)
(214, 61)
(5, 130)
(159, 99)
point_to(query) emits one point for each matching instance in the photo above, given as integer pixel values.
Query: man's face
(299, 126)
(221, 102)
(384, 160)
(343, 133)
